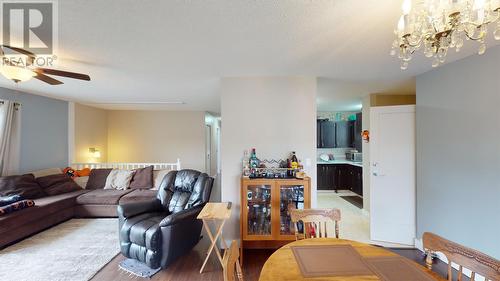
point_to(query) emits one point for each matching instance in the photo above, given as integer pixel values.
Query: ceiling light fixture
(438, 25)
(17, 73)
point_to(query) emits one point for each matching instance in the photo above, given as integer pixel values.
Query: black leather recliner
(157, 232)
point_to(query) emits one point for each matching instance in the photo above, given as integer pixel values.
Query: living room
(178, 140)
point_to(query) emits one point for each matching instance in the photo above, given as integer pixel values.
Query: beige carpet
(72, 251)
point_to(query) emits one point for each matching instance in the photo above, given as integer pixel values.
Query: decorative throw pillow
(119, 179)
(46, 172)
(57, 184)
(158, 177)
(76, 173)
(143, 178)
(97, 178)
(25, 186)
(81, 181)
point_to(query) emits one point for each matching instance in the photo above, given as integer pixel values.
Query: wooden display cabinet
(265, 217)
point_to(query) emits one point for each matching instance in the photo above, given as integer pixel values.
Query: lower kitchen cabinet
(357, 180)
(340, 177)
(326, 177)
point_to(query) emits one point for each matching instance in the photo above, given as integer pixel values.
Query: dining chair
(315, 222)
(230, 263)
(473, 260)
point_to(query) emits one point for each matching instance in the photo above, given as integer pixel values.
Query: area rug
(137, 268)
(74, 250)
(355, 200)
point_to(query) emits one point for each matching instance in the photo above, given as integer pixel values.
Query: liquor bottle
(295, 162)
(254, 162)
(289, 168)
(246, 164)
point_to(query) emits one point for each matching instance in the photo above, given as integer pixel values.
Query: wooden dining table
(282, 264)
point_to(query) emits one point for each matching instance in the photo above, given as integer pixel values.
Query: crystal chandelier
(438, 25)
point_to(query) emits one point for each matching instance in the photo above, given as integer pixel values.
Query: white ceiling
(168, 51)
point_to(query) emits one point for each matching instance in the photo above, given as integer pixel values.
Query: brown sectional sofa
(52, 210)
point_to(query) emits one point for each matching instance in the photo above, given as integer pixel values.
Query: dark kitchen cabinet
(326, 177)
(357, 180)
(325, 133)
(332, 134)
(357, 129)
(340, 177)
(343, 134)
(343, 176)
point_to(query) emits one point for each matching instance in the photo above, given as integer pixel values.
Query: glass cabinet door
(258, 199)
(291, 197)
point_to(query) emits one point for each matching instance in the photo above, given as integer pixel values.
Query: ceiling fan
(19, 72)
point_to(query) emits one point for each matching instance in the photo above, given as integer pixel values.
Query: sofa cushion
(57, 184)
(46, 172)
(102, 197)
(143, 178)
(43, 207)
(81, 181)
(138, 195)
(158, 176)
(97, 178)
(119, 179)
(24, 185)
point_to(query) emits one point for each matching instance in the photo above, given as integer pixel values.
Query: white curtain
(10, 137)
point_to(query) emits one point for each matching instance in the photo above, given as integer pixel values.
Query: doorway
(208, 149)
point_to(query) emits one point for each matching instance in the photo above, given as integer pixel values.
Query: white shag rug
(72, 251)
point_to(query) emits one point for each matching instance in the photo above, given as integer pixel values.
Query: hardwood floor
(187, 268)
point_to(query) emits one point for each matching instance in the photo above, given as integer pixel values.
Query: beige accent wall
(157, 136)
(387, 100)
(91, 130)
(275, 115)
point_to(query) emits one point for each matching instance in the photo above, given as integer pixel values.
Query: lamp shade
(16, 74)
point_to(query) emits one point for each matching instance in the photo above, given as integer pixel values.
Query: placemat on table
(330, 260)
(396, 269)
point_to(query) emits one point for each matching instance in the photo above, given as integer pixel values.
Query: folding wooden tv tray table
(218, 213)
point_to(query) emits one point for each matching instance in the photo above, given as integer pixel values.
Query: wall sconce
(94, 153)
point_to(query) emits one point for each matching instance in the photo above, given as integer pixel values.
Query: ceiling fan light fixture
(17, 74)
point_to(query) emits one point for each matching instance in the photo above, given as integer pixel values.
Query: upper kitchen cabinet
(339, 134)
(343, 130)
(326, 134)
(357, 129)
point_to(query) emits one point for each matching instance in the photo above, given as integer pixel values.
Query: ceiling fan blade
(56, 72)
(47, 79)
(21, 51)
(29, 54)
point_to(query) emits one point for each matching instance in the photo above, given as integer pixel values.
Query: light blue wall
(44, 130)
(458, 152)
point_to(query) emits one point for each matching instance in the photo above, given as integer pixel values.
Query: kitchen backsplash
(336, 115)
(338, 153)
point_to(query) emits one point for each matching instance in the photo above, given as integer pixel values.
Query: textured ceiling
(168, 51)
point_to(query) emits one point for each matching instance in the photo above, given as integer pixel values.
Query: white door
(392, 174)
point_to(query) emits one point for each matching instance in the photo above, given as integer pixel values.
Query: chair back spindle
(315, 222)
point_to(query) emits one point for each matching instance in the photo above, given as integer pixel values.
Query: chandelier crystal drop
(436, 26)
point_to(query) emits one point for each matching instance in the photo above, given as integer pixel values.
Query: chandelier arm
(473, 38)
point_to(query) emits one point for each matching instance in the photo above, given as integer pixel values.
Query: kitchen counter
(340, 161)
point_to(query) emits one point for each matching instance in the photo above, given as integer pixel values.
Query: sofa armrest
(133, 209)
(189, 214)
